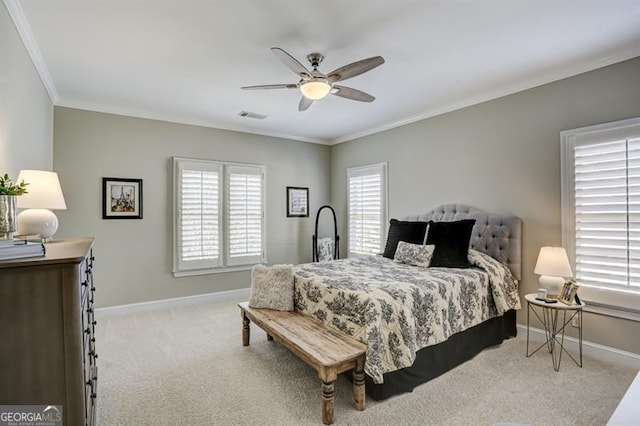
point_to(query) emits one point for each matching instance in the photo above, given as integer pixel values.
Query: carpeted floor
(187, 366)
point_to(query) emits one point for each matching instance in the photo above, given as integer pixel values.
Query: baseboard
(132, 308)
(590, 349)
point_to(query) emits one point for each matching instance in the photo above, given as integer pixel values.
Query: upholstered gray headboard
(498, 236)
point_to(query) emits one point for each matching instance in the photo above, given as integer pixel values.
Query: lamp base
(553, 285)
(40, 222)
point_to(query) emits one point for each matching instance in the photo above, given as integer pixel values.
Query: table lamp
(44, 194)
(553, 267)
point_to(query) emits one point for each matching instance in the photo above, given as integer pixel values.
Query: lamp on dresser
(553, 267)
(44, 194)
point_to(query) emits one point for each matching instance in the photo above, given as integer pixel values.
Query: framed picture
(297, 202)
(121, 198)
(568, 293)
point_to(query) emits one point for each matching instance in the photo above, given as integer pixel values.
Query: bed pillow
(414, 254)
(272, 287)
(452, 243)
(411, 232)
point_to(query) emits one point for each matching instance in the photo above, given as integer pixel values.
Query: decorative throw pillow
(411, 232)
(272, 287)
(414, 254)
(452, 243)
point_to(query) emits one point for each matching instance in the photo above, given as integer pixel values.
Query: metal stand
(555, 332)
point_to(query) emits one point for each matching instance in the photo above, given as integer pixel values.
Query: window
(219, 216)
(367, 204)
(601, 213)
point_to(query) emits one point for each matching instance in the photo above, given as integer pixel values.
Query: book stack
(17, 249)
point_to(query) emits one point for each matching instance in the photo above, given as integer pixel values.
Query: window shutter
(607, 213)
(198, 215)
(367, 212)
(245, 214)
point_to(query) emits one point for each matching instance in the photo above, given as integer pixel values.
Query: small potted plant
(8, 193)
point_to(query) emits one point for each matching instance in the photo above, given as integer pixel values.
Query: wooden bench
(328, 351)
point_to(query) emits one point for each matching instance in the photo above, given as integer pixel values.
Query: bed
(417, 322)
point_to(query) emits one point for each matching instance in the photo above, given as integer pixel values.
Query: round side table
(554, 329)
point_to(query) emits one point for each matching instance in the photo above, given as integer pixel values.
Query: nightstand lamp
(44, 194)
(553, 267)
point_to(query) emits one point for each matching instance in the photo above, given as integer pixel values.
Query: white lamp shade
(553, 262)
(43, 191)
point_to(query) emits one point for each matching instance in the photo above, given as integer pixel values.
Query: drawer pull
(84, 283)
(94, 322)
(94, 395)
(87, 330)
(90, 310)
(93, 339)
(93, 289)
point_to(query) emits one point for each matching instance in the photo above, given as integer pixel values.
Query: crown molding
(174, 118)
(539, 80)
(20, 21)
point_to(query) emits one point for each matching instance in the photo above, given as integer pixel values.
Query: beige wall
(26, 112)
(134, 257)
(502, 156)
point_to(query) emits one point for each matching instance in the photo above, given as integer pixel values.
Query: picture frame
(121, 198)
(568, 293)
(297, 201)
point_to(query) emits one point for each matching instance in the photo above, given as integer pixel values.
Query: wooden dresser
(47, 344)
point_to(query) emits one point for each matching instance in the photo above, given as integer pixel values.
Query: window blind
(367, 212)
(607, 213)
(245, 215)
(218, 216)
(198, 216)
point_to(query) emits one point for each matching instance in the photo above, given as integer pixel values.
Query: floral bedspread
(398, 309)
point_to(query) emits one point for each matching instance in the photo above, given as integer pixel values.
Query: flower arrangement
(7, 187)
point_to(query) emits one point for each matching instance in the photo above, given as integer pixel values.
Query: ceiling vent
(247, 114)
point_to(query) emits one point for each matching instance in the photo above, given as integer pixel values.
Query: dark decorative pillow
(452, 243)
(410, 232)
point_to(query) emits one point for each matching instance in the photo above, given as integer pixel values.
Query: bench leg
(328, 402)
(246, 331)
(358, 385)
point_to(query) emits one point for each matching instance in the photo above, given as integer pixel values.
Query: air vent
(247, 114)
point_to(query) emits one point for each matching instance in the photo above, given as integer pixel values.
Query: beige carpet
(187, 366)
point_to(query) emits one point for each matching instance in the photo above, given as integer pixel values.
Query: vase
(7, 216)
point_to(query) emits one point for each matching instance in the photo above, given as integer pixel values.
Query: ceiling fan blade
(291, 62)
(304, 104)
(354, 69)
(353, 94)
(271, 86)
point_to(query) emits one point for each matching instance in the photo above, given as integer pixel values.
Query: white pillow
(272, 287)
(414, 254)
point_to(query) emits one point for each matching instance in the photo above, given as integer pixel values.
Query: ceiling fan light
(315, 89)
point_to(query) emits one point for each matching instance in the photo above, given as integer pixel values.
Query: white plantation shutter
(601, 214)
(245, 214)
(219, 216)
(607, 213)
(198, 215)
(367, 208)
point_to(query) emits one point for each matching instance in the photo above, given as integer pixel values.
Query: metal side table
(553, 328)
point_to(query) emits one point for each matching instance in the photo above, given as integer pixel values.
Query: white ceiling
(185, 61)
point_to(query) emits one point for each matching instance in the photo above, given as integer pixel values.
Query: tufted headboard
(498, 236)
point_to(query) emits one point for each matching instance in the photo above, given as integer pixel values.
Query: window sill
(611, 302)
(611, 311)
(222, 270)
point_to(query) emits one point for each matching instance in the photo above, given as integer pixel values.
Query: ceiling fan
(315, 85)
